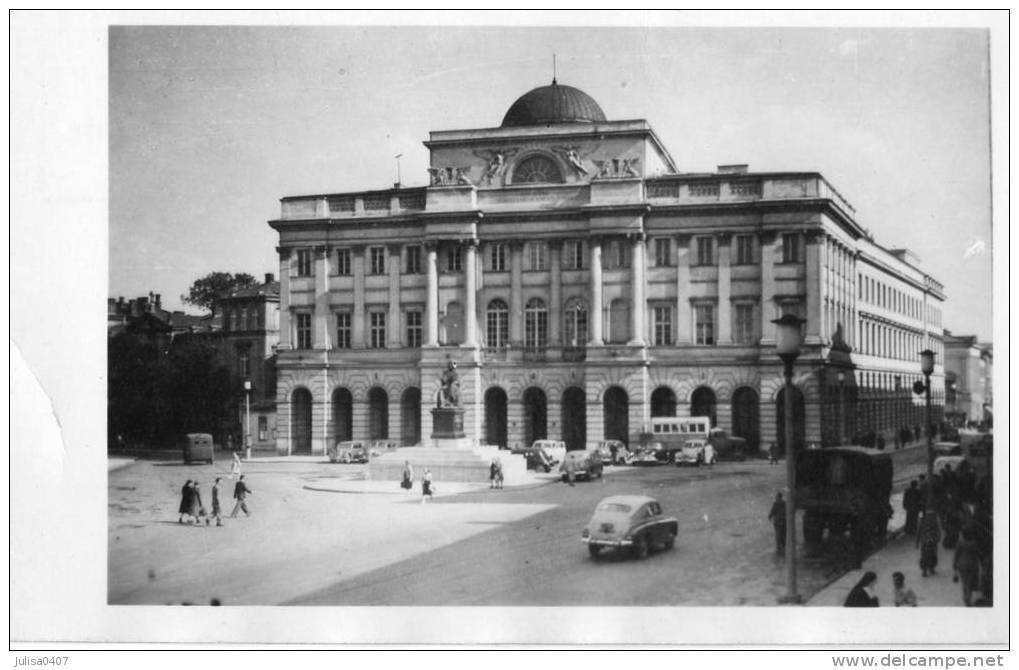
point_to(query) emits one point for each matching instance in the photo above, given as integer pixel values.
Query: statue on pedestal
(449, 389)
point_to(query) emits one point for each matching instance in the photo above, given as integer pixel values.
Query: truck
(844, 490)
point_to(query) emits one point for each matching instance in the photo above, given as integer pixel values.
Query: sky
(210, 126)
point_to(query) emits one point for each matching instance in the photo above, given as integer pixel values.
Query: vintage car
(199, 447)
(556, 449)
(612, 452)
(379, 447)
(586, 464)
(727, 447)
(348, 452)
(536, 458)
(652, 453)
(696, 452)
(631, 521)
(948, 448)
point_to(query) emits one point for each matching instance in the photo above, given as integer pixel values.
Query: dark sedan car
(586, 464)
(634, 522)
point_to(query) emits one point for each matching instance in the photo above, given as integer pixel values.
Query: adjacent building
(969, 380)
(583, 283)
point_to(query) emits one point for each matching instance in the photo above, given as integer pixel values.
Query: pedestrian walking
(927, 537)
(217, 511)
(426, 486)
(197, 508)
(571, 471)
(773, 454)
(491, 474)
(185, 502)
(904, 597)
(862, 595)
(953, 518)
(777, 518)
(235, 467)
(408, 476)
(498, 473)
(241, 492)
(911, 503)
(966, 565)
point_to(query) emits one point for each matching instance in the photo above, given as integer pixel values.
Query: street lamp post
(789, 339)
(247, 419)
(842, 407)
(927, 367)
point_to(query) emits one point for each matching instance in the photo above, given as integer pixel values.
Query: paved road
(724, 554)
(304, 545)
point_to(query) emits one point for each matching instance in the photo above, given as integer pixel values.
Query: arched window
(575, 326)
(535, 324)
(497, 324)
(537, 170)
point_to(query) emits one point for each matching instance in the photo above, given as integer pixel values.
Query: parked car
(727, 447)
(605, 450)
(629, 521)
(947, 448)
(556, 449)
(379, 447)
(696, 452)
(652, 453)
(536, 457)
(199, 447)
(586, 463)
(351, 451)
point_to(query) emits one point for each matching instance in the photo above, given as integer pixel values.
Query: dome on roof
(553, 104)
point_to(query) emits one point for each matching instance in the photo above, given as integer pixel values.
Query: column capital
(682, 238)
(555, 245)
(469, 242)
(724, 237)
(284, 252)
(394, 247)
(638, 236)
(322, 249)
(430, 245)
(595, 239)
(814, 236)
(516, 245)
(768, 236)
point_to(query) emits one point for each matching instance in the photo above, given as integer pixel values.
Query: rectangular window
(303, 330)
(663, 252)
(705, 251)
(263, 428)
(253, 318)
(497, 258)
(536, 256)
(618, 256)
(377, 321)
(304, 262)
(573, 255)
(791, 248)
(343, 262)
(744, 324)
(377, 260)
(663, 325)
(454, 259)
(705, 323)
(414, 328)
(343, 330)
(243, 363)
(744, 250)
(413, 260)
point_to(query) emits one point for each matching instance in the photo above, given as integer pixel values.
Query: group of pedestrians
(407, 483)
(863, 594)
(956, 514)
(192, 511)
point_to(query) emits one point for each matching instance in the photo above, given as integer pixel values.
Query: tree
(206, 291)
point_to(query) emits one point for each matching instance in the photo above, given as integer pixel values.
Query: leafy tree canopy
(206, 291)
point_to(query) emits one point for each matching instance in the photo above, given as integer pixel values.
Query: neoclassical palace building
(583, 284)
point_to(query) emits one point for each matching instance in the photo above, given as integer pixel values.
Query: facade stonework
(583, 284)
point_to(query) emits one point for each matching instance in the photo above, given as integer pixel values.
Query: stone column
(724, 288)
(555, 294)
(827, 282)
(394, 329)
(638, 312)
(431, 297)
(320, 321)
(284, 324)
(357, 261)
(516, 324)
(596, 315)
(684, 325)
(768, 312)
(471, 294)
(813, 275)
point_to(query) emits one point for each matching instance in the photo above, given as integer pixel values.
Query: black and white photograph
(587, 329)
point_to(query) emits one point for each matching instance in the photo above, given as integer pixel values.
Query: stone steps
(448, 464)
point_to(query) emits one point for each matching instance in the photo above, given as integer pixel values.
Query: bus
(673, 432)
